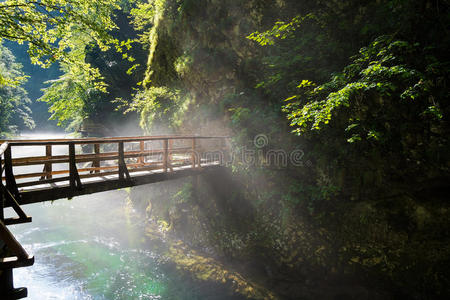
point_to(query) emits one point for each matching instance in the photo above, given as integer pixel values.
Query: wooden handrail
(131, 168)
(105, 140)
(90, 169)
(2, 188)
(56, 159)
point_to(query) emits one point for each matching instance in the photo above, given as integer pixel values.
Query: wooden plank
(96, 162)
(126, 138)
(74, 178)
(223, 157)
(48, 165)
(72, 165)
(48, 194)
(168, 161)
(45, 181)
(121, 161)
(31, 175)
(132, 168)
(193, 154)
(170, 154)
(90, 169)
(9, 175)
(104, 140)
(141, 149)
(165, 154)
(15, 220)
(39, 160)
(103, 174)
(61, 172)
(11, 242)
(13, 262)
(14, 204)
(2, 188)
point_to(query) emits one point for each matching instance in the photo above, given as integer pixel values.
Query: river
(94, 247)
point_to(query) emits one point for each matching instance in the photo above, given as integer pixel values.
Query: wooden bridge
(41, 170)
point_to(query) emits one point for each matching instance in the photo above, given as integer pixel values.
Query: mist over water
(90, 247)
(94, 247)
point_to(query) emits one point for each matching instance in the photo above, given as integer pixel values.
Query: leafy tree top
(55, 29)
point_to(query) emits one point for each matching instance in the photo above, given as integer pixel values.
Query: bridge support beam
(10, 193)
(11, 184)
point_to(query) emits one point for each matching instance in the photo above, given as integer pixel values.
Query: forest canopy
(53, 29)
(66, 32)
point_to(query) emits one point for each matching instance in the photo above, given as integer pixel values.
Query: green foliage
(76, 96)
(185, 194)
(183, 64)
(281, 30)
(374, 124)
(69, 98)
(157, 106)
(14, 102)
(385, 79)
(53, 29)
(142, 19)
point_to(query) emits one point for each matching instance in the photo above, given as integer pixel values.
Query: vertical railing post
(121, 159)
(123, 171)
(72, 165)
(96, 162)
(48, 165)
(194, 152)
(74, 178)
(2, 202)
(6, 276)
(223, 154)
(2, 192)
(170, 155)
(165, 154)
(141, 149)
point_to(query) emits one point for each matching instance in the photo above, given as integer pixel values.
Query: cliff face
(199, 49)
(329, 226)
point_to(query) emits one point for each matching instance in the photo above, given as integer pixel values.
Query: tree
(54, 28)
(73, 99)
(14, 111)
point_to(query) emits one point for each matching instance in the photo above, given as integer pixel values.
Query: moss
(205, 268)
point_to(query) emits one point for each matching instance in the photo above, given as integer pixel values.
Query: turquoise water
(93, 247)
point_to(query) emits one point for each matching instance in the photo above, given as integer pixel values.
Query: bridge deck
(60, 190)
(63, 168)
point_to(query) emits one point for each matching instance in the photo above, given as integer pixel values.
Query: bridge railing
(18, 256)
(71, 160)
